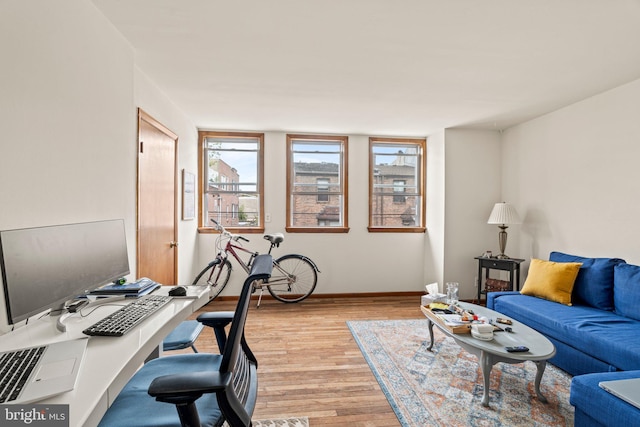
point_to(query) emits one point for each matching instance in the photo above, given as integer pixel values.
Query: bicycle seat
(275, 238)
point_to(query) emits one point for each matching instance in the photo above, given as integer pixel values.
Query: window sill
(237, 230)
(396, 229)
(317, 229)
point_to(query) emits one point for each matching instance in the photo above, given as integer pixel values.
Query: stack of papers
(451, 319)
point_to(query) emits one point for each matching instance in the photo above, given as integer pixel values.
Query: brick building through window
(394, 202)
(318, 201)
(222, 201)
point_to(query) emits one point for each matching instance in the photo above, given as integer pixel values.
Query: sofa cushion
(594, 284)
(602, 334)
(596, 405)
(626, 290)
(551, 280)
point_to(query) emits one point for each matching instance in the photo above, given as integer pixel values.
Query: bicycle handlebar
(224, 232)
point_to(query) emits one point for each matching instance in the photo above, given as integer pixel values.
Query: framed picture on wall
(188, 195)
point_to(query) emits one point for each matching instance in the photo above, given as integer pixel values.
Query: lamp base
(502, 240)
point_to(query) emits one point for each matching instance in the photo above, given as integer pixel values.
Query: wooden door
(157, 192)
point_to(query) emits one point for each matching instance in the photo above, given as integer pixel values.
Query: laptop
(55, 372)
(627, 390)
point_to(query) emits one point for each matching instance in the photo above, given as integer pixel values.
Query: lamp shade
(503, 213)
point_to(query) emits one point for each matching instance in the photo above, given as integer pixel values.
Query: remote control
(517, 349)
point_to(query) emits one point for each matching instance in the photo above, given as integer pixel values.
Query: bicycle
(293, 278)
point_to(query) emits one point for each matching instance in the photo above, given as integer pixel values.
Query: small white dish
(482, 331)
(482, 337)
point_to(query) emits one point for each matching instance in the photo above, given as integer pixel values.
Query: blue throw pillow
(594, 284)
(626, 290)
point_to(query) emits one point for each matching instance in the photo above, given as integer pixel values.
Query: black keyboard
(122, 321)
(16, 368)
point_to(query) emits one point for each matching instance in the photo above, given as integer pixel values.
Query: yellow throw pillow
(550, 280)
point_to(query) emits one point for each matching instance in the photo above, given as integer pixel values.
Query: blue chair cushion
(602, 334)
(134, 406)
(594, 284)
(626, 290)
(183, 336)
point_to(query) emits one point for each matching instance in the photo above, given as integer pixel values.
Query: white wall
(574, 176)
(433, 269)
(65, 109)
(472, 187)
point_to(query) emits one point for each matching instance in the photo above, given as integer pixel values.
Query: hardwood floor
(309, 363)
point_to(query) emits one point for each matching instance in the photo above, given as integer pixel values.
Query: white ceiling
(380, 67)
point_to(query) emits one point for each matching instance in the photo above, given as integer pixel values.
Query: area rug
(283, 422)
(444, 387)
(280, 422)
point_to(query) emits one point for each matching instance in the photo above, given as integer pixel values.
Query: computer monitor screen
(44, 267)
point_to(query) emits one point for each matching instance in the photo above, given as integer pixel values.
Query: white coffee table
(491, 352)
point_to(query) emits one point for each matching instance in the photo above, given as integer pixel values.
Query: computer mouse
(178, 291)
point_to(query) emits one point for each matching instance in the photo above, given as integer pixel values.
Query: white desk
(109, 362)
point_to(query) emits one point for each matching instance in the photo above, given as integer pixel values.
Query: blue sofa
(597, 337)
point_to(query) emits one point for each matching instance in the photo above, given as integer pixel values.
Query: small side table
(512, 265)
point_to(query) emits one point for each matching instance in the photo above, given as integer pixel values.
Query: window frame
(343, 182)
(202, 137)
(421, 143)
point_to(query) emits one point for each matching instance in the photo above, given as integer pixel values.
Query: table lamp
(503, 214)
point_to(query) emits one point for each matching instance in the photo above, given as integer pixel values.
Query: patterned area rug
(288, 422)
(279, 422)
(444, 387)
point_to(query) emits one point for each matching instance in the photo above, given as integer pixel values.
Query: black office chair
(206, 389)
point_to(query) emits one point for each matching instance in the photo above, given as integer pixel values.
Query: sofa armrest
(491, 296)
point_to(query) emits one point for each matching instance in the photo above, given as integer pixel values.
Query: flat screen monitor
(45, 266)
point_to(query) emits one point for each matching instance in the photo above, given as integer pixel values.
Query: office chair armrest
(217, 320)
(186, 388)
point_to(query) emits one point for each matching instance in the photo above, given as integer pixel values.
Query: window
(396, 185)
(399, 189)
(231, 187)
(323, 187)
(316, 183)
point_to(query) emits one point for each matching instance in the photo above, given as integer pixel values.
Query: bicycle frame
(230, 248)
(283, 279)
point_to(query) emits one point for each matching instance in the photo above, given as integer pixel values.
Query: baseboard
(266, 295)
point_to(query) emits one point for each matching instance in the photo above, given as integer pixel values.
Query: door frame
(143, 116)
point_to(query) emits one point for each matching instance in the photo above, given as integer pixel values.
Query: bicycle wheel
(293, 278)
(215, 275)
